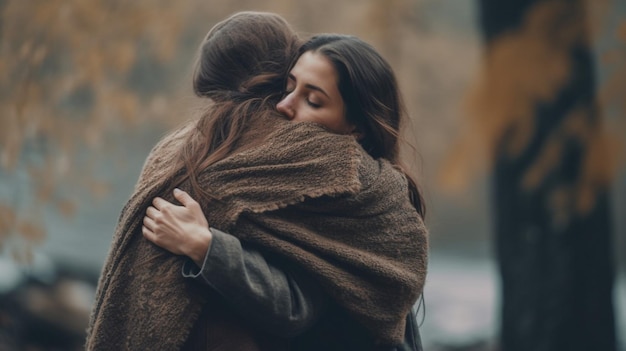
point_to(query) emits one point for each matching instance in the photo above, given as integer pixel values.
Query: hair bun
(240, 49)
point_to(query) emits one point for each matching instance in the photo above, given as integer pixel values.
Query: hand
(182, 230)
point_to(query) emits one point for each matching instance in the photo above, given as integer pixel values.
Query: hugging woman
(322, 209)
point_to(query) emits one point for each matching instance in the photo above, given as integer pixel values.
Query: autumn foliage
(65, 67)
(76, 71)
(72, 75)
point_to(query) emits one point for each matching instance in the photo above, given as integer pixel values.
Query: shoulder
(314, 143)
(295, 161)
(289, 143)
(175, 137)
(166, 149)
(308, 133)
(382, 176)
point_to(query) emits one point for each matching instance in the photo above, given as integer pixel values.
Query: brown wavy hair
(241, 67)
(369, 89)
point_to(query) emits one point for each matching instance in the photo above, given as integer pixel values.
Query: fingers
(159, 203)
(149, 223)
(152, 212)
(184, 198)
(150, 236)
(180, 195)
(147, 233)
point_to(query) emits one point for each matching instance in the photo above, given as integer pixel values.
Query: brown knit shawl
(313, 197)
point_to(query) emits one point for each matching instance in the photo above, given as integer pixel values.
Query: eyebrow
(310, 86)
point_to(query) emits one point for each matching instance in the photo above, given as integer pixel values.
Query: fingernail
(177, 191)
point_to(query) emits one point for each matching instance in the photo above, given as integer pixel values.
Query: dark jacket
(336, 331)
(275, 298)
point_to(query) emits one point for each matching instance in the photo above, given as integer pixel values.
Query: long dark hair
(370, 93)
(241, 68)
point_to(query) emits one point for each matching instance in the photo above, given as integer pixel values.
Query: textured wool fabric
(313, 197)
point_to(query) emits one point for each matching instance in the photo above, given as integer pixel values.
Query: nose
(285, 107)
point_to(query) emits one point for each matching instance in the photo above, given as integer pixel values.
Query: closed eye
(292, 79)
(312, 104)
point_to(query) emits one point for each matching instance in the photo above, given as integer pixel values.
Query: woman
(242, 65)
(341, 83)
(143, 302)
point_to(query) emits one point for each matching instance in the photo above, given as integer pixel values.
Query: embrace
(282, 218)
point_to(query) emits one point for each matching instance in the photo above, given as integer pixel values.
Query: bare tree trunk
(556, 263)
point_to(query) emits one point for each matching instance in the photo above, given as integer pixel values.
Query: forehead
(315, 68)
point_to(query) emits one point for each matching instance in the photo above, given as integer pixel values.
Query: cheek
(341, 122)
(336, 123)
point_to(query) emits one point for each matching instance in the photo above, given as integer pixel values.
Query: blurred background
(518, 113)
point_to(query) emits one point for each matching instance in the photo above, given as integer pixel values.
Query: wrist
(198, 250)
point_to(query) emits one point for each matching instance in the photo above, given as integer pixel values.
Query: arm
(275, 298)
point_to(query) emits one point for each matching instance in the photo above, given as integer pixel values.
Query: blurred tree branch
(65, 68)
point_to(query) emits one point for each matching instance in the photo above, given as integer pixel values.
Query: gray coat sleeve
(279, 300)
